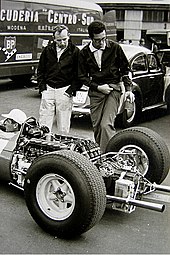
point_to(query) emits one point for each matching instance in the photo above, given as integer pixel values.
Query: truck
(26, 28)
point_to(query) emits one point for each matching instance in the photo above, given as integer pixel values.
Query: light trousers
(55, 104)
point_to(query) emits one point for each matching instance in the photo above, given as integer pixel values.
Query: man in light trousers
(57, 80)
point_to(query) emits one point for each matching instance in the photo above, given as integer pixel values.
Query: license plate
(80, 97)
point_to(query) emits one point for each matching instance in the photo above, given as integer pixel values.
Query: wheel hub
(55, 197)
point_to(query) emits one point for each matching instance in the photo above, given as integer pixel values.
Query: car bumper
(78, 111)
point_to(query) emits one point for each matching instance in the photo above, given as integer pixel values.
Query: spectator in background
(102, 67)
(142, 42)
(130, 42)
(57, 80)
(122, 41)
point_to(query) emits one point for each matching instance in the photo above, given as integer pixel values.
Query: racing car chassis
(68, 182)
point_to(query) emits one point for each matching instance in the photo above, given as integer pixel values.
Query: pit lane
(143, 231)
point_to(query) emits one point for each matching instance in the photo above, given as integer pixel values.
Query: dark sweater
(113, 67)
(58, 74)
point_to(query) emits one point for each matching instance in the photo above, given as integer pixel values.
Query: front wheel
(149, 150)
(64, 193)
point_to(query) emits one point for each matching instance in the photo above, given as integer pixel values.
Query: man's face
(61, 39)
(98, 40)
(10, 125)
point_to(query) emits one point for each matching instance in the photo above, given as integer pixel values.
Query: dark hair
(142, 40)
(59, 28)
(96, 27)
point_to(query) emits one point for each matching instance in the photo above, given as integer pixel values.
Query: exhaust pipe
(161, 187)
(138, 203)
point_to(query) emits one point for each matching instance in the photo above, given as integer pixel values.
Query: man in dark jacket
(102, 67)
(57, 80)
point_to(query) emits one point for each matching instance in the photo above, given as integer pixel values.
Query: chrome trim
(153, 106)
(31, 34)
(20, 62)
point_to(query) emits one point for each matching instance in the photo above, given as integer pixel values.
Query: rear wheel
(65, 193)
(152, 153)
(131, 114)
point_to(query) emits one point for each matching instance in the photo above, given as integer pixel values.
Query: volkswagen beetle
(151, 87)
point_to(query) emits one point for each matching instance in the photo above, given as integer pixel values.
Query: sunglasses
(99, 40)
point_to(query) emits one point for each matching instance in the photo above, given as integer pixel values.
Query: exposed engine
(36, 142)
(121, 171)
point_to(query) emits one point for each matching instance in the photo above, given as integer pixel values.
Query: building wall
(133, 25)
(134, 18)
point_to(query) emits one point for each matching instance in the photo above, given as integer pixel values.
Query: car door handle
(151, 77)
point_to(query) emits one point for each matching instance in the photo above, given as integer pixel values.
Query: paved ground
(142, 232)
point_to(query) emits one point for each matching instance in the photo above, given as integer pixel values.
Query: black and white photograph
(84, 127)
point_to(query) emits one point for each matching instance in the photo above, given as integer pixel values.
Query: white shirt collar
(93, 49)
(59, 51)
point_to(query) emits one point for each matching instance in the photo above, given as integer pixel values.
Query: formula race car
(68, 182)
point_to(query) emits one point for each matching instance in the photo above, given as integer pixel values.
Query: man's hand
(130, 96)
(105, 89)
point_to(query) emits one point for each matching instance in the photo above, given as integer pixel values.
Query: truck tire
(64, 193)
(153, 152)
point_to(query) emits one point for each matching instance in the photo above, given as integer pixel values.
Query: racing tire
(64, 193)
(151, 148)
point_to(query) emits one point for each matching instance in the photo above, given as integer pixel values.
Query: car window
(153, 64)
(139, 64)
(164, 57)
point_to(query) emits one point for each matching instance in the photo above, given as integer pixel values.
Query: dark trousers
(104, 109)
